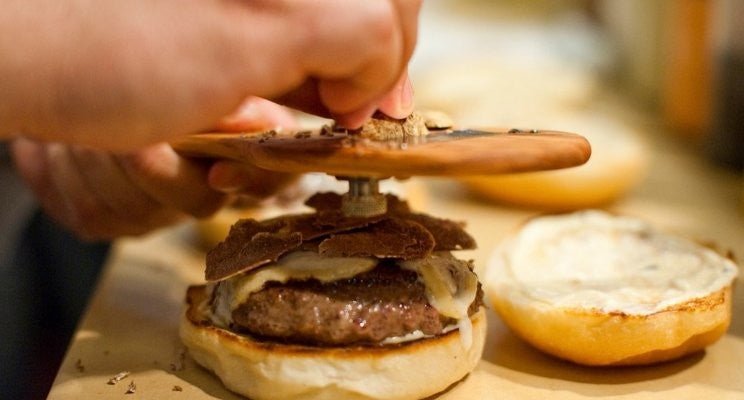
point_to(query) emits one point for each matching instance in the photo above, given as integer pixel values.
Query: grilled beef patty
(384, 302)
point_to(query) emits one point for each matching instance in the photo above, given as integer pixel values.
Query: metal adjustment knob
(363, 199)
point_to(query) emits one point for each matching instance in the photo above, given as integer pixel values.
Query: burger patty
(384, 302)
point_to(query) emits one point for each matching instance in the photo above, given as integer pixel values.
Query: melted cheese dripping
(450, 288)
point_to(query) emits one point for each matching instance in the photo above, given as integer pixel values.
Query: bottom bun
(265, 370)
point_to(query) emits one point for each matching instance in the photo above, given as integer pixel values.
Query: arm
(118, 75)
(102, 195)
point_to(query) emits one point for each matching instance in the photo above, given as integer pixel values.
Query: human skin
(95, 87)
(102, 195)
(119, 75)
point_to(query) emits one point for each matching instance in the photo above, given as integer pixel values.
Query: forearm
(117, 75)
(141, 70)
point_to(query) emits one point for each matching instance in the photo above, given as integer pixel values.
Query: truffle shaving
(448, 235)
(326, 222)
(391, 238)
(396, 234)
(324, 201)
(383, 127)
(250, 244)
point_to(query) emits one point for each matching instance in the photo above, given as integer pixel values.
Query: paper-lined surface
(132, 322)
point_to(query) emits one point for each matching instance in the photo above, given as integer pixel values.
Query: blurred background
(679, 61)
(656, 86)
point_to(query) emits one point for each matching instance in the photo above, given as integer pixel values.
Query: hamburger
(325, 306)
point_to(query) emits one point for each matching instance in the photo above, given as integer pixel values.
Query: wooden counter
(132, 322)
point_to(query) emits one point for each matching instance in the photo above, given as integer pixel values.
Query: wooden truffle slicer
(444, 151)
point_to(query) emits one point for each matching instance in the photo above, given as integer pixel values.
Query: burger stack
(322, 305)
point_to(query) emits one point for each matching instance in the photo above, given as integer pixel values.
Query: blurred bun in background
(619, 162)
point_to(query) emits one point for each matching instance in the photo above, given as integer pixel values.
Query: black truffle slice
(249, 245)
(391, 238)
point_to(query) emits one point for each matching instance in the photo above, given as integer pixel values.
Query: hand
(118, 75)
(100, 195)
(254, 114)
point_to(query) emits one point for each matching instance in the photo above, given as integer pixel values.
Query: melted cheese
(220, 313)
(418, 334)
(449, 290)
(300, 265)
(608, 263)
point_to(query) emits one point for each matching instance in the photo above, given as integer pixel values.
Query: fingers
(305, 98)
(100, 196)
(355, 119)
(240, 178)
(32, 164)
(194, 62)
(408, 12)
(172, 179)
(256, 114)
(66, 193)
(353, 82)
(233, 177)
(398, 103)
(372, 70)
(348, 54)
(120, 196)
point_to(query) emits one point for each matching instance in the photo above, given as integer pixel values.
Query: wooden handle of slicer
(446, 153)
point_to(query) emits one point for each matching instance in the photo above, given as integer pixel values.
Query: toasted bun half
(262, 370)
(619, 162)
(599, 289)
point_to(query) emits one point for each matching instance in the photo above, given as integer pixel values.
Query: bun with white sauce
(600, 289)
